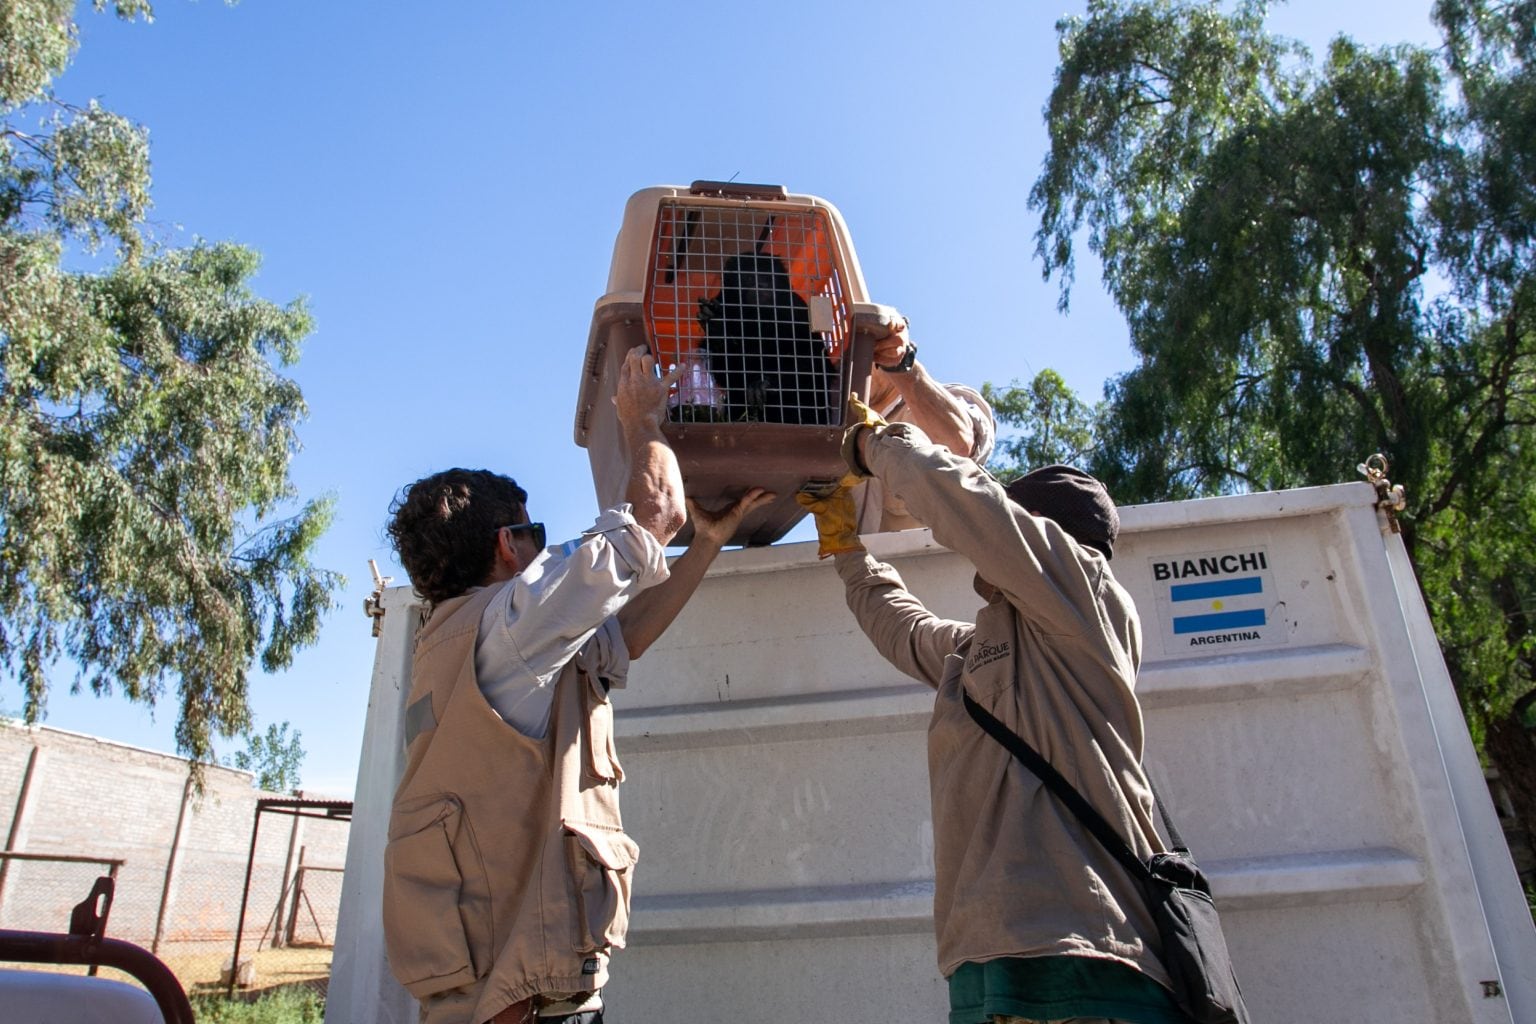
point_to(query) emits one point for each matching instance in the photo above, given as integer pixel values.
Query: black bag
(1177, 893)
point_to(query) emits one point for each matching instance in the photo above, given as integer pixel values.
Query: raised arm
(901, 628)
(648, 614)
(655, 487)
(937, 412)
(904, 632)
(1030, 559)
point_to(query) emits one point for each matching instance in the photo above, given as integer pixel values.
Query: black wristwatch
(906, 361)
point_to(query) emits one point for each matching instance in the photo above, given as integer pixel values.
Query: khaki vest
(507, 870)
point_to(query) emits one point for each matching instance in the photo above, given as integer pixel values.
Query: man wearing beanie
(1035, 920)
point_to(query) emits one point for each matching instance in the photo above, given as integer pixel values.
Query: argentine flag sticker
(1217, 599)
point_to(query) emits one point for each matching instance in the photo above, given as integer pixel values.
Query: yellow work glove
(837, 517)
(861, 418)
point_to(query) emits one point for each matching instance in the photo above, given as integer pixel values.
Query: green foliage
(1056, 426)
(1140, 91)
(284, 1006)
(145, 431)
(1318, 261)
(275, 758)
(86, 171)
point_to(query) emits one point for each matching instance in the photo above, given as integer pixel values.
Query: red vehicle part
(86, 944)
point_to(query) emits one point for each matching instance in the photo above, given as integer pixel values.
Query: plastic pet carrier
(758, 293)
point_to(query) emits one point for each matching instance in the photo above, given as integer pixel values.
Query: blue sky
(443, 183)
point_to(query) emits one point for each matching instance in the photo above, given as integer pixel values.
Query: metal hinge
(373, 605)
(1389, 496)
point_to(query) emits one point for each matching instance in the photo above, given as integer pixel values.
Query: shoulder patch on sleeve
(418, 719)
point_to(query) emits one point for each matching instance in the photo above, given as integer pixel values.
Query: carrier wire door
(757, 292)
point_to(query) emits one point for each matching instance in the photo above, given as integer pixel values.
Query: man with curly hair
(507, 870)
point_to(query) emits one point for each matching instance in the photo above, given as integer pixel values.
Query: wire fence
(46, 887)
(188, 911)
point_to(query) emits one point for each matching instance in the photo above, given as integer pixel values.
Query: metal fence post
(172, 861)
(245, 896)
(17, 818)
(293, 908)
(278, 916)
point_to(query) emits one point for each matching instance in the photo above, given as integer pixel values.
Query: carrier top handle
(737, 190)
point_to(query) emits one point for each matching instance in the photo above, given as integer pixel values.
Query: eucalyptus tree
(273, 758)
(1054, 424)
(1320, 259)
(149, 534)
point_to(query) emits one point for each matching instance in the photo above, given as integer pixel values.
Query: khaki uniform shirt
(1055, 659)
(882, 512)
(507, 869)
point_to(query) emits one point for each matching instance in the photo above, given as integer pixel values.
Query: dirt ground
(275, 968)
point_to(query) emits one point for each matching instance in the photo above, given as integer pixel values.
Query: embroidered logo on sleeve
(984, 653)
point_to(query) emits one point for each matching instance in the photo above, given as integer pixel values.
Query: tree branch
(1461, 465)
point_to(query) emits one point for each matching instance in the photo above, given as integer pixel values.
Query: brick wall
(89, 797)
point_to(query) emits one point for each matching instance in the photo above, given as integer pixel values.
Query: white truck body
(1309, 746)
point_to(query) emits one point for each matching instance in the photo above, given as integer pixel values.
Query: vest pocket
(423, 930)
(600, 861)
(602, 757)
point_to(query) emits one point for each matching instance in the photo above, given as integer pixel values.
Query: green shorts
(1058, 988)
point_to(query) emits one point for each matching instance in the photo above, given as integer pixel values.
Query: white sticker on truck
(1212, 599)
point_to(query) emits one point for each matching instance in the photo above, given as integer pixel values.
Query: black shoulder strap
(1174, 838)
(1092, 820)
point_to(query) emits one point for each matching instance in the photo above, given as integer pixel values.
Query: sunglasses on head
(537, 529)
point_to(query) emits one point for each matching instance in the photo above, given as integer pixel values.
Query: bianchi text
(1209, 565)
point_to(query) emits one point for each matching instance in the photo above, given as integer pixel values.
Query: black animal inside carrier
(758, 293)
